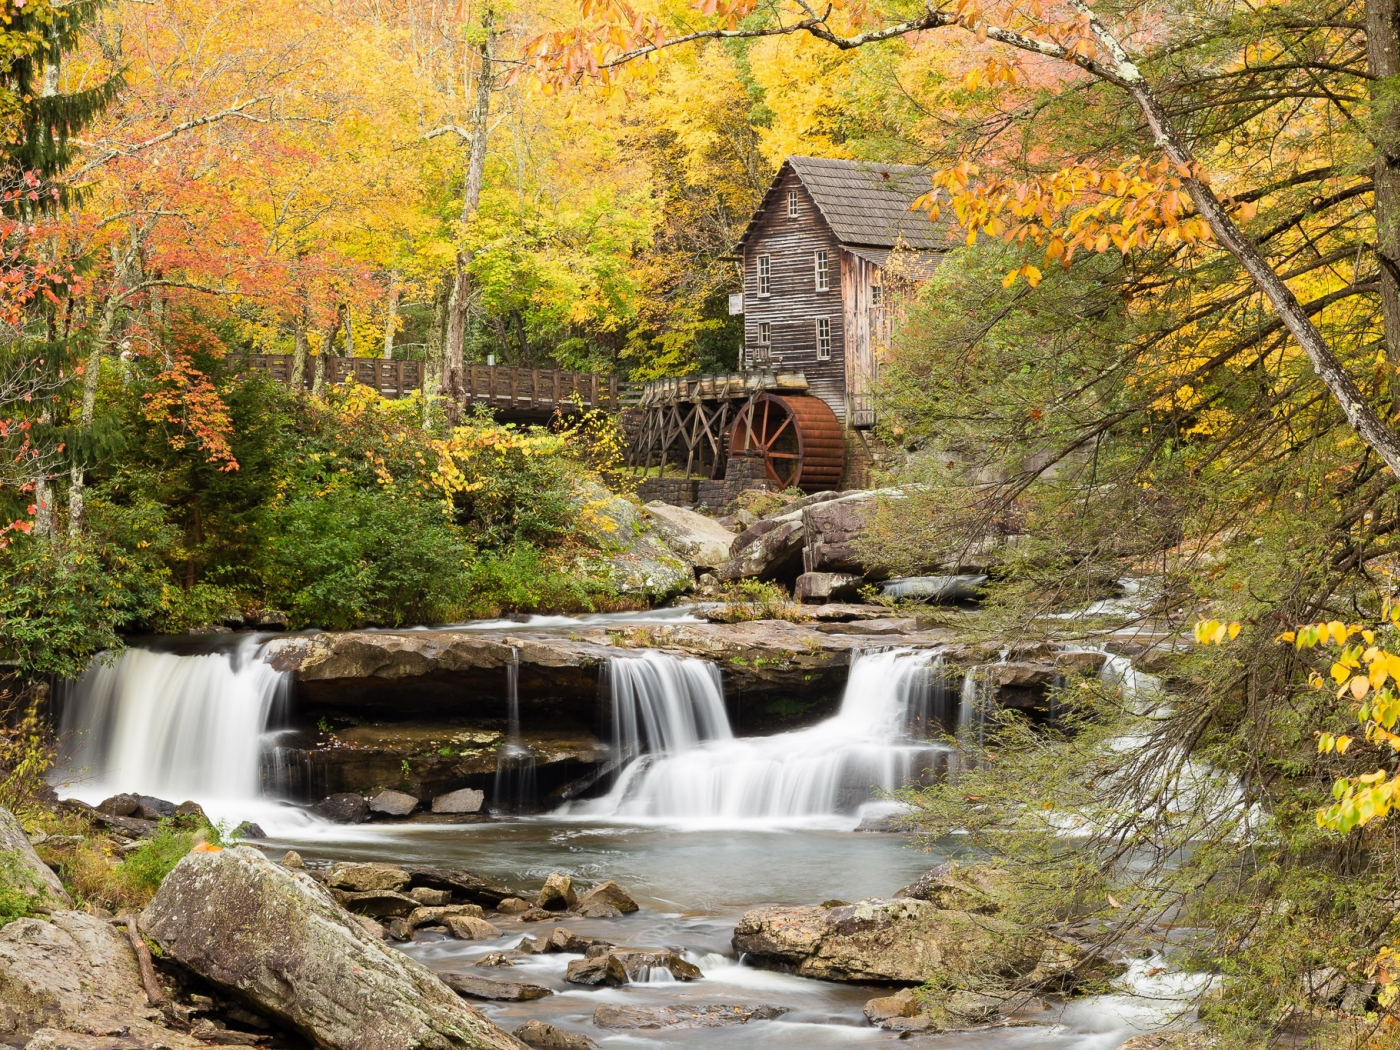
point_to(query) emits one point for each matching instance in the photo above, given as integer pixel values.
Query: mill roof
(865, 203)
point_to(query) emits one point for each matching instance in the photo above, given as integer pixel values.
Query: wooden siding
(857, 275)
(794, 304)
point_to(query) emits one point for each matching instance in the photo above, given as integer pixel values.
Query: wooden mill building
(830, 261)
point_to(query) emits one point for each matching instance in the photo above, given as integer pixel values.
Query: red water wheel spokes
(797, 437)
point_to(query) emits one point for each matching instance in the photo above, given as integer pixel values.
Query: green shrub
(356, 557)
(522, 578)
(21, 893)
(62, 599)
(136, 879)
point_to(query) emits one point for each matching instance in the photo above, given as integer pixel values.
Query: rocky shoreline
(238, 949)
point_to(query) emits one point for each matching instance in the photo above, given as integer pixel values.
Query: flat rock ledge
(273, 937)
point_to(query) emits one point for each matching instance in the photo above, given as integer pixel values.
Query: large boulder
(699, 540)
(361, 877)
(978, 888)
(820, 587)
(21, 865)
(463, 800)
(704, 1015)
(902, 941)
(343, 808)
(636, 562)
(273, 938)
(606, 900)
(392, 803)
(75, 973)
(768, 550)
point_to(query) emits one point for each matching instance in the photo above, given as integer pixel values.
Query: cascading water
(811, 775)
(174, 726)
(514, 788)
(664, 705)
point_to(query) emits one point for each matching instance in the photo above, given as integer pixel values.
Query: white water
(177, 727)
(818, 776)
(664, 705)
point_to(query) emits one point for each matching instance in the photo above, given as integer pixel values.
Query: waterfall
(177, 727)
(664, 705)
(514, 787)
(810, 775)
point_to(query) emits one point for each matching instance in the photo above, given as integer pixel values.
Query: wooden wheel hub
(797, 436)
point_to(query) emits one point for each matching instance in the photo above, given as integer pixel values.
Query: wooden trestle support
(691, 425)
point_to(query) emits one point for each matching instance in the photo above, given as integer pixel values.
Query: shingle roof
(864, 203)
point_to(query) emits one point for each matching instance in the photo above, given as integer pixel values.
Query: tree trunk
(525, 357)
(318, 381)
(1383, 61)
(453, 369)
(1359, 413)
(347, 324)
(435, 353)
(391, 316)
(300, 350)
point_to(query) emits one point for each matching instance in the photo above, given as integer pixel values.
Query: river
(699, 826)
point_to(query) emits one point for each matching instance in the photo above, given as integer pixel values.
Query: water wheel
(797, 437)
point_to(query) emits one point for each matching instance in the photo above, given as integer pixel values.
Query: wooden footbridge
(523, 393)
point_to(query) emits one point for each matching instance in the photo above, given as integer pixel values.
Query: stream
(697, 824)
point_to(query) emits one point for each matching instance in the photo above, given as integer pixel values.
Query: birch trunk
(453, 383)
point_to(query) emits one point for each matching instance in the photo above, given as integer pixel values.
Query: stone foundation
(679, 492)
(741, 474)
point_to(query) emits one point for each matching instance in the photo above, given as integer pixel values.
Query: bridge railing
(540, 390)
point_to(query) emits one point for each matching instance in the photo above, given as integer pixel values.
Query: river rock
(429, 916)
(557, 894)
(564, 940)
(470, 928)
(361, 877)
(771, 549)
(465, 800)
(271, 937)
(605, 901)
(935, 589)
(75, 973)
(701, 541)
(292, 859)
(474, 986)
(393, 803)
(706, 1015)
(431, 898)
(191, 815)
(543, 1036)
(344, 808)
(978, 888)
(914, 1010)
(904, 941)
(513, 906)
(382, 904)
(248, 830)
(462, 883)
(618, 966)
(635, 561)
(142, 807)
(31, 873)
(821, 587)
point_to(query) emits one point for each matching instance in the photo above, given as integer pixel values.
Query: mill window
(765, 275)
(763, 352)
(792, 204)
(823, 339)
(823, 273)
(877, 294)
